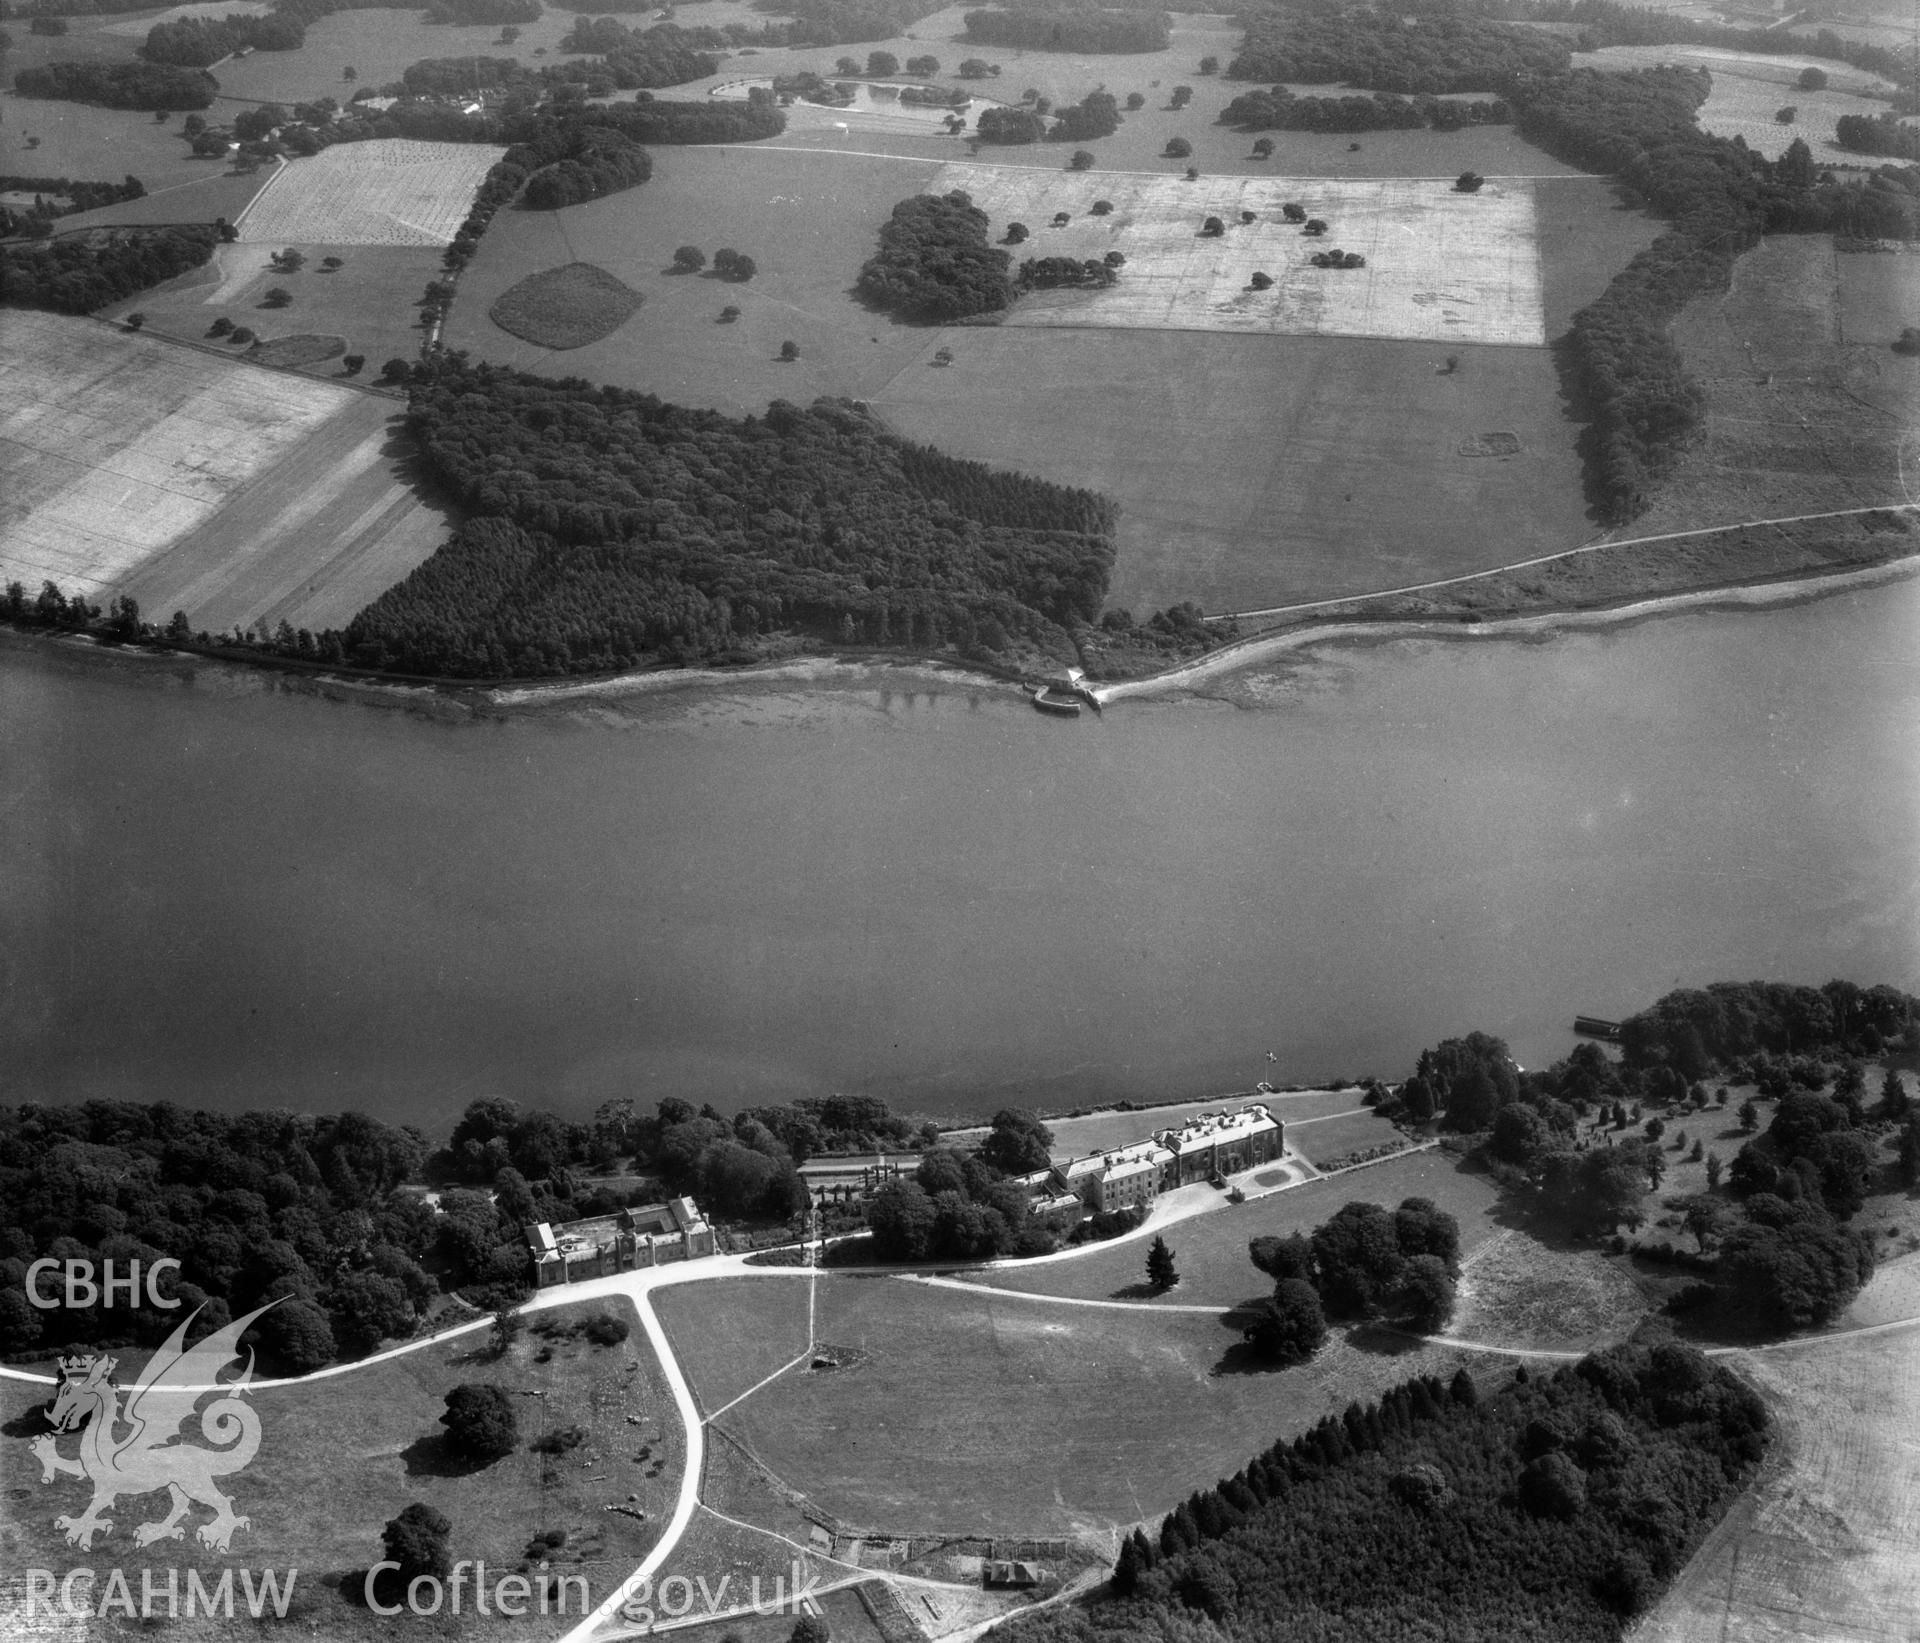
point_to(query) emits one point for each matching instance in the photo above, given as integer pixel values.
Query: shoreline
(831, 669)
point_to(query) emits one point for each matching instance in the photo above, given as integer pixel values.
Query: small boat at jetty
(1047, 700)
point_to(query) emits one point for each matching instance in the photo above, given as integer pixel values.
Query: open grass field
(104, 144)
(1211, 1250)
(202, 484)
(1076, 1137)
(1516, 1291)
(371, 300)
(1785, 380)
(1821, 1545)
(941, 1425)
(1441, 266)
(389, 192)
(565, 307)
(1748, 91)
(719, 1366)
(339, 1457)
(1326, 1140)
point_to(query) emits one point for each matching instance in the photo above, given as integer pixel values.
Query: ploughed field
(132, 465)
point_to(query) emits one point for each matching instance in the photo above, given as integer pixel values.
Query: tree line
(144, 86)
(200, 42)
(606, 527)
(1281, 110)
(49, 193)
(934, 263)
(1035, 29)
(1878, 134)
(1555, 1507)
(663, 55)
(80, 273)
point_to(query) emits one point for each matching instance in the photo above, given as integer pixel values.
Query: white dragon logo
(147, 1457)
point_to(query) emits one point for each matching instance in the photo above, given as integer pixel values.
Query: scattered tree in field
(1812, 79)
(1908, 342)
(481, 1422)
(1749, 1116)
(789, 351)
(733, 265)
(923, 65)
(1193, 173)
(1714, 1171)
(1081, 161)
(1263, 148)
(417, 1541)
(289, 261)
(943, 356)
(395, 371)
(1293, 212)
(1261, 281)
(1290, 1326)
(241, 334)
(332, 265)
(220, 327)
(1101, 208)
(354, 364)
(135, 321)
(1182, 95)
(1315, 226)
(349, 73)
(1212, 228)
(1136, 100)
(846, 65)
(1161, 1273)
(1178, 148)
(729, 314)
(509, 34)
(972, 68)
(1469, 182)
(278, 296)
(689, 259)
(1786, 116)
(1247, 216)
(1016, 233)
(509, 1323)
(1115, 259)
(1062, 218)
(1893, 1096)
(1209, 65)
(882, 63)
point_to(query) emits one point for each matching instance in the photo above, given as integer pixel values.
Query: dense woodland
(145, 86)
(1387, 52)
(1281, 110)
(83, 272)
(1551, 1511)
(934, 263)
(1884, 134)
(606, 526)
(1069, 30)
(1775, 1248)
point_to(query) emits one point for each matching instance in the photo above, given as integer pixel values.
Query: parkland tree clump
(1559, 1507)
(119, 85)
(606, 526)
(1381, 51)
(1282, 110)
(1087, 30)
(934, 263)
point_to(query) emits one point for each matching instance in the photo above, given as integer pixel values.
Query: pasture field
(1784, 431)
(206, 485)
(389, 192)
(339, 1457)
(1441, 266)
(721, 1366)
(1254, 471)
(1749, 90)
(808, 221)
(934, 1429)
(1821, 1544)
(103, 144)
(371, 301)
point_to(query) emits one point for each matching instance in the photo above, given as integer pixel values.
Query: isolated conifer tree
(1160, 1268)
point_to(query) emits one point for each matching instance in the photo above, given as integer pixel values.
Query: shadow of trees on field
(431, 1456)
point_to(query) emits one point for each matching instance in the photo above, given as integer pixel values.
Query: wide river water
(225, 890)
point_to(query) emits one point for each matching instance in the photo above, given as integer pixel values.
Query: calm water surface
(223, 891)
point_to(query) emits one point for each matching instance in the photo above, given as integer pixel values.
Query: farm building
(641, 1236)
